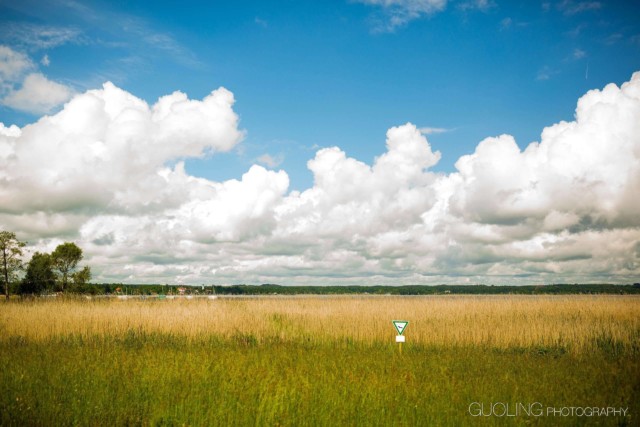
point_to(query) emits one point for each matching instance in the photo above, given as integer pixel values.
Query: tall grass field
(321, 361)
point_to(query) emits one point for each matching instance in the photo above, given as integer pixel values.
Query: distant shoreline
(119, 289)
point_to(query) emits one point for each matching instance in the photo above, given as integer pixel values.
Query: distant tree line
(271, 289)
(44, 273)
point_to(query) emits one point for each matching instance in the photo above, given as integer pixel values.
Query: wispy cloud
(260, 22)
(509, 23)
(270, 161)
(433, 130)
(13, 64)
(96, 25)
(141, 35)
(571, 7)
(481, 5)
(398, 13)
(37, 37)
(576, 31)
(578, 54)
(545, 73)
(613, 38)
(506, 23)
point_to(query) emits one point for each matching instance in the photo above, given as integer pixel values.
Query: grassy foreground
(318, 361)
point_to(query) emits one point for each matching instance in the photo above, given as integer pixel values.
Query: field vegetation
(324, 360)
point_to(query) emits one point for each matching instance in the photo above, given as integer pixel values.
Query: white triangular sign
(400, 325)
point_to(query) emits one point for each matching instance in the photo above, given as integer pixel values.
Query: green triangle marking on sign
(400, 325)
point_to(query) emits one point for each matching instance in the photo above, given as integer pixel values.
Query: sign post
(400, 326)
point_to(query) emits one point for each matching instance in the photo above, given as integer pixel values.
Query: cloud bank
(107, 172)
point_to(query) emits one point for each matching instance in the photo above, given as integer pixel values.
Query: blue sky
(325, 142)
(310, 74)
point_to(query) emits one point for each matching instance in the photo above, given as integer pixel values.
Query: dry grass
(315, 360)
(576, 323)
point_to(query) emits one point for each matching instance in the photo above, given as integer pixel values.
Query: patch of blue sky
(308, 74)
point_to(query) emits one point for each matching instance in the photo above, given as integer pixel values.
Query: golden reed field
(321, 360)
(577, 323)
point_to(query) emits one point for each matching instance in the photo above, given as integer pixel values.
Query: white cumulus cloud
(38, 95)
(107, 172)
(110, 151)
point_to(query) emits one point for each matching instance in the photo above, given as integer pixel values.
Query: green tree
(65, 260)
(10, 251)
(82, 277)
(39, 276)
